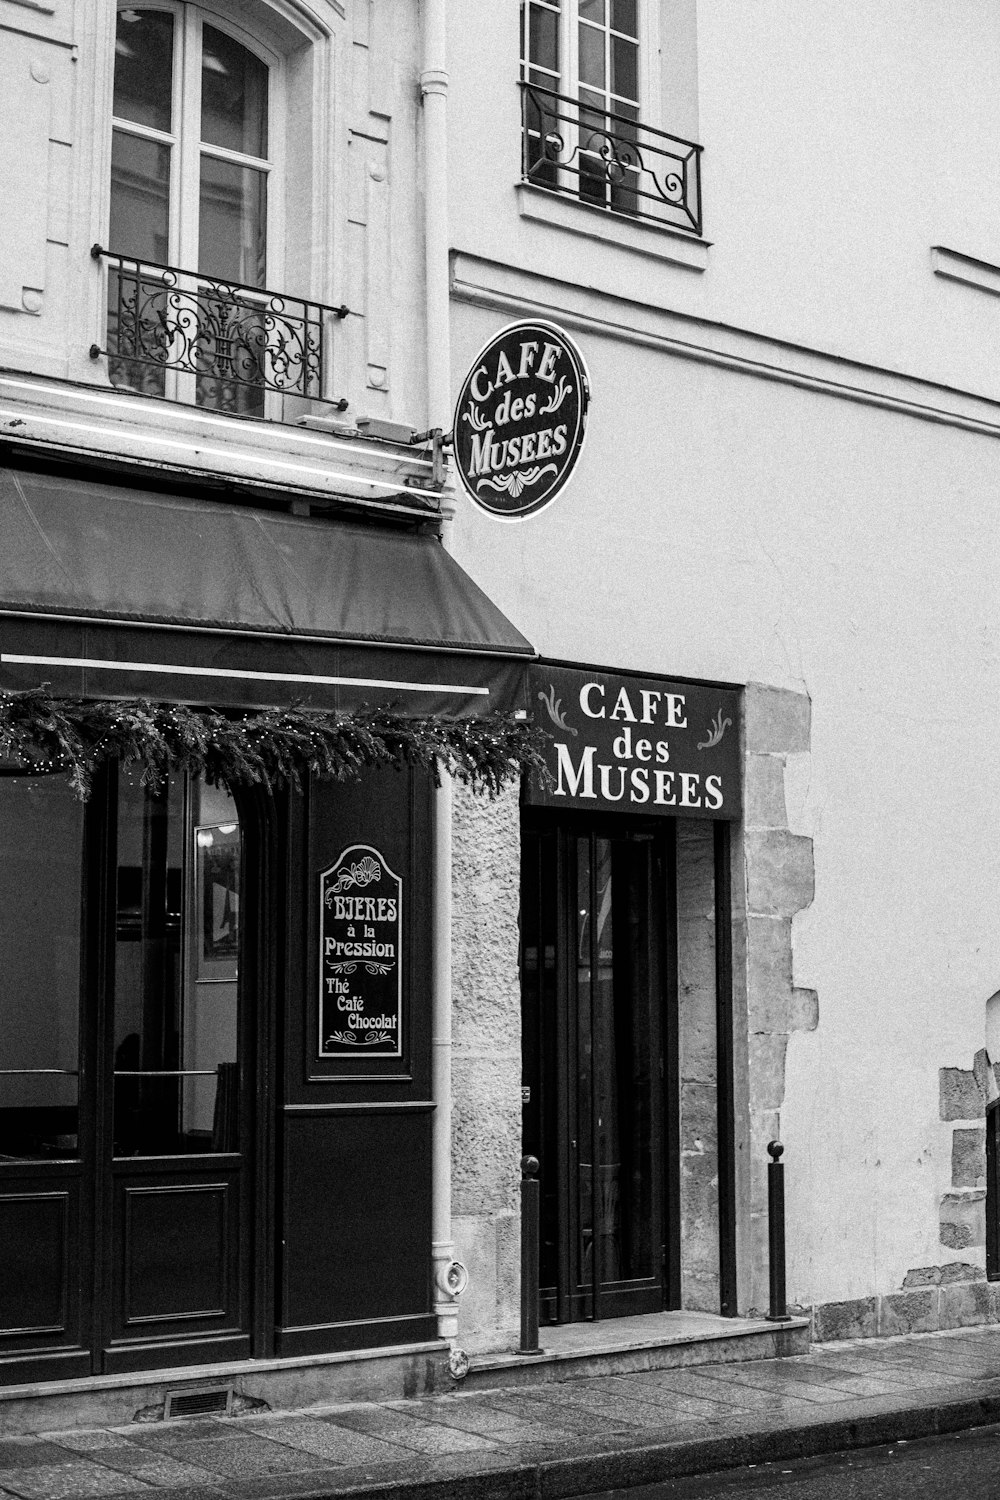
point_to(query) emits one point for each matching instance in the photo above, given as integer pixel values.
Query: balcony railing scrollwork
(608, 160)
(227, 345)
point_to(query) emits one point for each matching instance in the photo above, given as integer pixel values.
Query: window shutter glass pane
(233, 95)
(594, 115)
(140, 191)
(592, 10)
(592, 56)
(623, 17)
(233, 222)
(545, 39)
(624, 68)
(41, 884)
(144, 65)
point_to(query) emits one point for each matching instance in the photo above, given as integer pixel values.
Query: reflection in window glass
(144, 63)
(233, 95)
(592, 56)
(41, 835)
(140, 192)
(233, 222)
(177, 937)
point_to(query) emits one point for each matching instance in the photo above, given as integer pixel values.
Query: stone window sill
(658, 241)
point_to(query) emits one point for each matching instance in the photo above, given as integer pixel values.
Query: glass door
(176, 1200)
(595, 925)
(46, 1138)
(125, 1225)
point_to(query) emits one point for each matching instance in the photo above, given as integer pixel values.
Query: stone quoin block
(856, 1319)
(922, 1276)
(963, 1219)
(909, 1312)
(961, 1096)
(767, 1069)
(769, 967)
(984, 1075)
(961, 1270)
(955, 1270)
(780, 878)
(777, 720)
(968, 1157)
(764, 792)
(969, 1303)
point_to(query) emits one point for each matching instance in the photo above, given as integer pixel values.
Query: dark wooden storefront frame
(281, 1093)
(567, 825)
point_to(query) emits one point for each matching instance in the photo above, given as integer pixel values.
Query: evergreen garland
(270, 748)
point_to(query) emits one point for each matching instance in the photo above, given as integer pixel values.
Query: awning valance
(115, 592)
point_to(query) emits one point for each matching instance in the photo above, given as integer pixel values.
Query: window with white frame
(588, 106)
(192, 204)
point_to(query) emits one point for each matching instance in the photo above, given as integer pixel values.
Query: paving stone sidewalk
(564, 1439)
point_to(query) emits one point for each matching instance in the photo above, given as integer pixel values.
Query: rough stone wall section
(778, 876)
(964, 1095)
(955, 1294)
(698, 1066)
(486, 1065)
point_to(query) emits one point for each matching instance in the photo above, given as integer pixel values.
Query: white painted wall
(842, 140)
(724, 526)
(721, 525)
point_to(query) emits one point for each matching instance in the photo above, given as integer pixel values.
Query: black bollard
(530, 1218)
(776, 1232)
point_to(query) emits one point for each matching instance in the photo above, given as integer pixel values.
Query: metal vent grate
(201, 1401)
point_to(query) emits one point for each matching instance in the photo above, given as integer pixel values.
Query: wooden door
(125, 1122)
(174, 1188)
(46, 1135)
(600, 1063)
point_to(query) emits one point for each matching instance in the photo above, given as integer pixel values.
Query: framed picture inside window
(217, 900)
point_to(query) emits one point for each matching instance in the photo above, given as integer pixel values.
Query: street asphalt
(938, 1468)
(643, 1433)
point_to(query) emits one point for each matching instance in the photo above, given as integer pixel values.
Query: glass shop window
(176, 953)
(41, 839)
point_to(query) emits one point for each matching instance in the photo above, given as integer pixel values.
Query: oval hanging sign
(521, 418)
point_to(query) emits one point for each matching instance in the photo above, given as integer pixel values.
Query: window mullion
(190, 136)
(189, 132)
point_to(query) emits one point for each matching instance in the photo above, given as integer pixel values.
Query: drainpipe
(449, 1275)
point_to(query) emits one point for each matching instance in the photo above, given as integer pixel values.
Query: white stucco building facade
(772, 234)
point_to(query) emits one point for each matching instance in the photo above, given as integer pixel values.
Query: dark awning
(114, 592)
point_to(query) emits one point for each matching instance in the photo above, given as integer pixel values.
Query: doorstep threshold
(651, 1341)
(206, 1373)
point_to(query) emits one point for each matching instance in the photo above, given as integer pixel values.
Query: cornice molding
(519, 293)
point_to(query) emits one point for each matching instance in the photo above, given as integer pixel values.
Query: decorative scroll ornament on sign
(521, 418)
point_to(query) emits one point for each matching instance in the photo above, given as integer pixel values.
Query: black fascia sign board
(627, 743)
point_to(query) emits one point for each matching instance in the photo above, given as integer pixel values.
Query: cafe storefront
(216, 1093)
(626, 972)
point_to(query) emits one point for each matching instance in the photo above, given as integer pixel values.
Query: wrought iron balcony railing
(212, 342)
(608, 160)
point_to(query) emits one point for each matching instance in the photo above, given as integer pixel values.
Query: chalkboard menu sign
(360, 965)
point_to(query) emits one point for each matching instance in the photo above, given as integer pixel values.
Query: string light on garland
(271, 748)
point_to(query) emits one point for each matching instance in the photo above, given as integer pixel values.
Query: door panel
(35, 1228)
(175, 1260)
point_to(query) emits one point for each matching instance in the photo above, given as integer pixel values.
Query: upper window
(190, 161)
(583, 102)
(193, 238)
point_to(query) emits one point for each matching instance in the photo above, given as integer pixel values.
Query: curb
(643, 1463)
